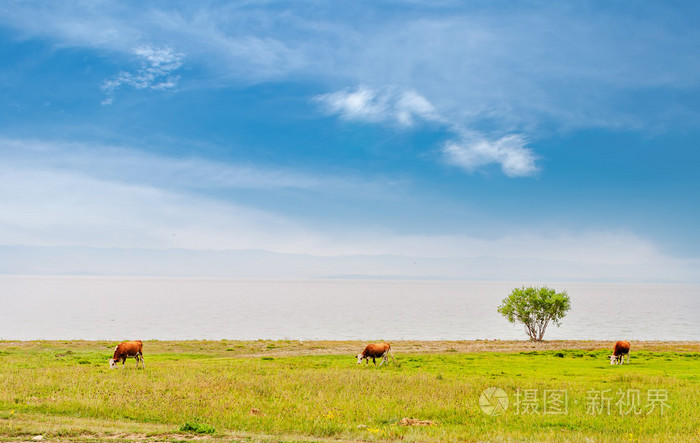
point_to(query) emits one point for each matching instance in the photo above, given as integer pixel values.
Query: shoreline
(282, 348)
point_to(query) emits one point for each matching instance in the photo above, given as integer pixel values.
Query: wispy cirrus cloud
(157, 72)
(57, 193)
(566, 65)
(121, 164)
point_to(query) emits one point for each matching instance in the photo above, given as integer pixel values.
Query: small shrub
(199, 428)
(535, 308)
(559, 354)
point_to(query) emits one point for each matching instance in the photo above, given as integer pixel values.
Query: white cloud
(470, 152)
(412, 105)
(359, 105)
(92, 195)
(474, 152)
(130, 166)
(157, 72)
(56, 194)
(405, 108)
(52, 208)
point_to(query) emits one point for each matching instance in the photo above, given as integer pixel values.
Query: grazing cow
(376, 350)
(127, 349)
(621, 349)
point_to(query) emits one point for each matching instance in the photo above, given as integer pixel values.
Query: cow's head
(112, 363)
(614, 359)
(360, 357)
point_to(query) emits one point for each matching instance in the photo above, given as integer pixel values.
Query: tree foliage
(535, 308)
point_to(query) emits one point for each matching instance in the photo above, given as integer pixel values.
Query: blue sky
(523, 132)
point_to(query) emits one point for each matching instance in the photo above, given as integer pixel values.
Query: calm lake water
(117, 308)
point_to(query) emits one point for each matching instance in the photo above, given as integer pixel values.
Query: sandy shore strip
(281, 348)
(467, 346)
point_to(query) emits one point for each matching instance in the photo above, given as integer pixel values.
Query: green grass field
(289, 391)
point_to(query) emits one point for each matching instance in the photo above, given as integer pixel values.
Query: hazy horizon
(259, 264)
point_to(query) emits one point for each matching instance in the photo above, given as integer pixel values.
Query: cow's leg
(383, 359)
(143, 362)
(374, 360)
(392, 356)
(628, 358)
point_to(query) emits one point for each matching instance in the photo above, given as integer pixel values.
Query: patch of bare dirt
(416, 422)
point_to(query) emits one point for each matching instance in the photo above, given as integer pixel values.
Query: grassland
(293, 391)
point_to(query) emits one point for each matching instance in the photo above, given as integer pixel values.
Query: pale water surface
(185, 308)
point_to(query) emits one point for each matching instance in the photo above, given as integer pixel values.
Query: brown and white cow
(374, 351)
(125, 350)
(621, 349)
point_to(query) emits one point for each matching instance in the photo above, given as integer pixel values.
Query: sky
(402, 139)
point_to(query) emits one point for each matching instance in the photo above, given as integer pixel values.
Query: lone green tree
(535, 308)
